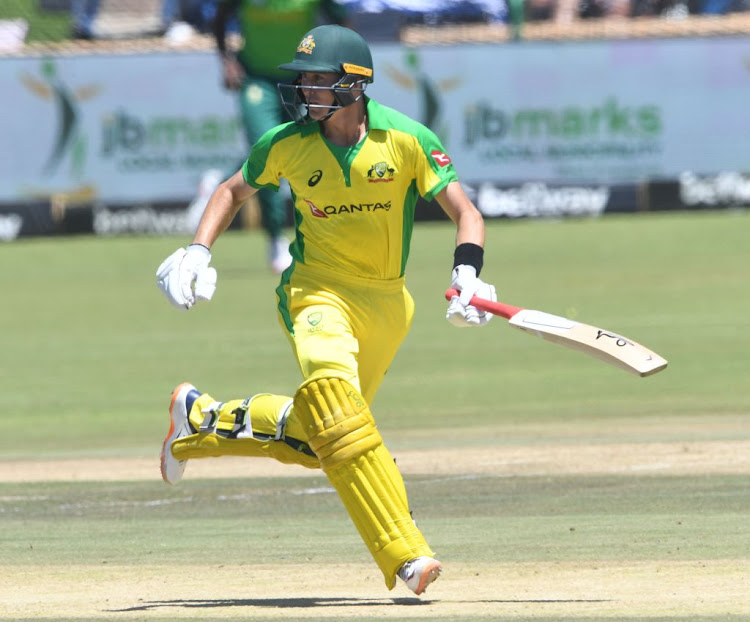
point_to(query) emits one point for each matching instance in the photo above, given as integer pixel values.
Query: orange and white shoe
(183, 398)
(418, 573)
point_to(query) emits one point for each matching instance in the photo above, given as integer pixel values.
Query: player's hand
(185, 276)
(460, 312)
(233, 73)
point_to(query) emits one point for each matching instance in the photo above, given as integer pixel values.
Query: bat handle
(495, 308)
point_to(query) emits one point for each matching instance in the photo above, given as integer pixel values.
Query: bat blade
(602, 344)
(597, 342)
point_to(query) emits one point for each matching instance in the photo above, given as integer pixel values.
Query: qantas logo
(351, 208)
(315, 211)
(440, 158)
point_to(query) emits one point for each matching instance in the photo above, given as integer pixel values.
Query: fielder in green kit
(356, 169)
(269, 29)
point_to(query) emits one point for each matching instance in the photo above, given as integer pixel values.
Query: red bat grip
(496, 308)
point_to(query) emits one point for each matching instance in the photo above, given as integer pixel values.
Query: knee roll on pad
(342, 433)
(337, 421)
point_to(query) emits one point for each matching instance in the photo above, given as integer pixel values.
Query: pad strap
(210, 418)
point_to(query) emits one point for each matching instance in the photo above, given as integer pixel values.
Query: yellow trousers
(349, 330)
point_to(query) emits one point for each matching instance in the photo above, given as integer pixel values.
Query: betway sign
(539, 200)
(723, 189)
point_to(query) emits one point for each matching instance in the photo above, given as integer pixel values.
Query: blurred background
(117, 117)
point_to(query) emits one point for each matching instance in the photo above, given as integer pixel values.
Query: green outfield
(553, 486)
(43, 25)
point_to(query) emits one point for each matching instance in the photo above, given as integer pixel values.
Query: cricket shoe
(183, 398)
(418, 573)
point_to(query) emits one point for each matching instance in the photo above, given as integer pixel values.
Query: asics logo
(315, 178)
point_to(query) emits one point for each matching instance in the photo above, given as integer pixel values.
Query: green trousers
(261, 109)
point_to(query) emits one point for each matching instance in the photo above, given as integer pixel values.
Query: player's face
(316, 89)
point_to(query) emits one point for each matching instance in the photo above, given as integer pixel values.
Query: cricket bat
(597, 342)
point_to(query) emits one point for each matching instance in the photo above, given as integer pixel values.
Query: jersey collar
(375, 119)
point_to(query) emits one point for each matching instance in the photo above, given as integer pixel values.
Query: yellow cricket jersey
(354, 206)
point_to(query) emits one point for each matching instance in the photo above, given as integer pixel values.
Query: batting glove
(185, 276)
(460, 312)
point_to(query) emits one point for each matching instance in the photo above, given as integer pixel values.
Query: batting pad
(341, 431)
(253, 427)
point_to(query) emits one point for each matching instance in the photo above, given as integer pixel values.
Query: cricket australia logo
(314, 319)
(380, 172)
(307, 45)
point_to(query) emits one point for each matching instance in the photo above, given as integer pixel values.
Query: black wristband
(469, 254)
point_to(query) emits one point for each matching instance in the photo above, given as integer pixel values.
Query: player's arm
(232, 70)
(468, 257)
(222, 207)
(224, 10)
(461, 210)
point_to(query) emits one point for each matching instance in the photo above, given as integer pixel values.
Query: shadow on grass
(305, 603)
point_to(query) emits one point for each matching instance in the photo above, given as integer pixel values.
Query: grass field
(43, 25)
(552, 486)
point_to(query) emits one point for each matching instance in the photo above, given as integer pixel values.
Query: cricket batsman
(356, 169)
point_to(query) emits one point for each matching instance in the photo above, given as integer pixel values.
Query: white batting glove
(460, 312)
(185, 276)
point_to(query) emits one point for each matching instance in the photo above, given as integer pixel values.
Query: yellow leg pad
(213, 446)
(264, 412)
(341, 431)
(263, 416)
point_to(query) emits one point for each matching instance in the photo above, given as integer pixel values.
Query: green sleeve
(434, 153)
(255, 170)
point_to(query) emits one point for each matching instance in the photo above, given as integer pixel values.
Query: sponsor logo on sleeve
(441, 158)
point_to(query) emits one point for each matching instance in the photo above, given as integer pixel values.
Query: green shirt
(354, 207)
(272, 29)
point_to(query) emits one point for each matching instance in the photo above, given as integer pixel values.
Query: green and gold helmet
(328, 49)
